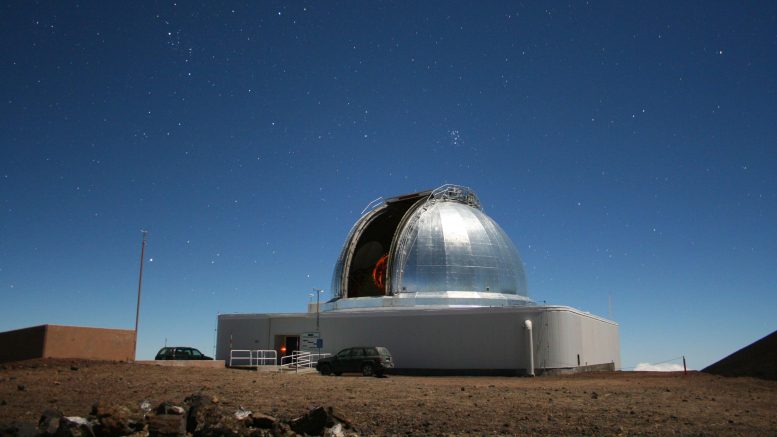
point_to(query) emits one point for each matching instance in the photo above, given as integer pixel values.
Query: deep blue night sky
(628, 149)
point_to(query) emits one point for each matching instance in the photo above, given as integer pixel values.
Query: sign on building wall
(311, 341)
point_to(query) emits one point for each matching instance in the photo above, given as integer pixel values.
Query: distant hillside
(758, 360)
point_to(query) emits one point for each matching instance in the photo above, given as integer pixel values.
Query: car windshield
(383, 351)
(196, 353)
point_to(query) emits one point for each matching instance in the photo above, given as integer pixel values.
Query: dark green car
(367, 360)
(180, 353)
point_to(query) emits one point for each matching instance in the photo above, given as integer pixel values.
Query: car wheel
(368, 370)
(325, 369)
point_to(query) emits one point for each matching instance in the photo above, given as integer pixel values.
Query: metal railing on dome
(252, 358)
(458, 193)
(372, 205)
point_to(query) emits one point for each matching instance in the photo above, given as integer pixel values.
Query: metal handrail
(233, 355)
(262, 356)
(302, 359)
(255, 357)
(293, 359)
(287, 359)
(315, 357)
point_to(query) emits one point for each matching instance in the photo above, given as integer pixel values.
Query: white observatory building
(435, 280)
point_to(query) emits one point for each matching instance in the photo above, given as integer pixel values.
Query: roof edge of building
(417, 311)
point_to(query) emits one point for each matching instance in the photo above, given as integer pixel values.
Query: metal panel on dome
(450, 246)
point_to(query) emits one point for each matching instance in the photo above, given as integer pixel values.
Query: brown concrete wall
(22, 344)
(89, 343)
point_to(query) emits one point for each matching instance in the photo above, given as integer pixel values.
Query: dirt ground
(593, 403)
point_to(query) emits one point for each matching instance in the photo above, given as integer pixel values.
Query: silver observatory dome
(429, 249)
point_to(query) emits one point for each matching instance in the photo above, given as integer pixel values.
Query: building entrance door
(292, 344)
(286, 345)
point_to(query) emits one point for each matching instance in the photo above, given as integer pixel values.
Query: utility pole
(318, 329)
(318, 301)
(140, 285)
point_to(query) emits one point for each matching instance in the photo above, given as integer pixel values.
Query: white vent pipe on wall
(527, 325)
